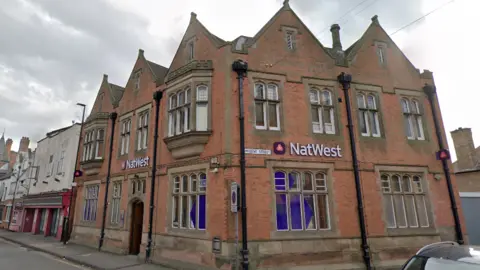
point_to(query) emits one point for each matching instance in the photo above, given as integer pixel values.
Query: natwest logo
(135, 163)
(315, 150)
(279, 148)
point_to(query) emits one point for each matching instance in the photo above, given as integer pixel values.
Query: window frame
(416, 189)
(265, 102)
(368, 112)
(414, 120)
(60, 163)
(326, 193)
(319, 106)
(90, 198)
(115, 208)
(179, 191)
(93, 143)
(125, 134)
(143, 123)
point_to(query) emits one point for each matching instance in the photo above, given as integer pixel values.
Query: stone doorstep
(50, 252)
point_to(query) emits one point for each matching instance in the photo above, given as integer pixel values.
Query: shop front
(44, 213)
(16, 219)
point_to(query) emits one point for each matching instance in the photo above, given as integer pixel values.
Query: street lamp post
(241, 67)
(66, 220)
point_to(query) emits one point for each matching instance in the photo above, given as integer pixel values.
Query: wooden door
(136, 228)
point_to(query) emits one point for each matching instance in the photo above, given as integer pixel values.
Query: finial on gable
(286, 4)
(193, 16)
(375, 20)
(105, 77)
(140, 51)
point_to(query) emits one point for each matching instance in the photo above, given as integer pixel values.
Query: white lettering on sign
(137, 163)
(258, 151)
(315, 150)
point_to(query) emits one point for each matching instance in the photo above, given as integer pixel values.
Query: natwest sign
(135, 163)
(313, 149)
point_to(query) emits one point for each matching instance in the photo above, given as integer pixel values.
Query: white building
(55, 160)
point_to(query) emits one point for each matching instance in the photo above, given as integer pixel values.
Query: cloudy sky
(53, 53)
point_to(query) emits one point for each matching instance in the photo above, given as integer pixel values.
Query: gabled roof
(286, 7)
(159, 72)
(351, 52)
(116, 93)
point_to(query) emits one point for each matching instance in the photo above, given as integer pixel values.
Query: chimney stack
(8, 145)
(24, 143)
(337, 44)
(465, 149)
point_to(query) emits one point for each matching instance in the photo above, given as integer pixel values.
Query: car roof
(451, 251)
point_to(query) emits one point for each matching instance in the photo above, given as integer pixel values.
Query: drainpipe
(157, 96)
(113, 117)
(431, 92)
(240, 67)
(345, 80)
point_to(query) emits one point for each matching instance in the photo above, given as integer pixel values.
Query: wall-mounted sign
(312, 149)
(135, 163)
(258, 151)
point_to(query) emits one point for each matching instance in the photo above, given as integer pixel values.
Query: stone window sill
(196, 234)
(290, 235)
(189, 144)
(411, 231)
(91, 167)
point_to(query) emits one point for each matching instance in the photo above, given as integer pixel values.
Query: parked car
(443, 256)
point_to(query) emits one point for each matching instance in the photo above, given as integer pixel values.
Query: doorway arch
(136, 227)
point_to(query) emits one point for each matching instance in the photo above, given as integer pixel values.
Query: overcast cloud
(53, 53)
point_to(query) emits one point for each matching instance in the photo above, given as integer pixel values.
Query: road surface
(15, 257)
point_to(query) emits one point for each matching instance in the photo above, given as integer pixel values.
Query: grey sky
(53, 53)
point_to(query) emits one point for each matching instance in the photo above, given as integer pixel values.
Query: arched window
(368, 115)
(412, 115)
(267, 106)
(322, 110)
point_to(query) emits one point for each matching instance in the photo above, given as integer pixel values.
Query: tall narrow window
(267, 107)
(125, 136)
(116, 197)
(301, 201)
(179, 112)
(191, 50)
(99, 143)
(50, 166)
(290, 38)
(323, 112)
(90, 203)
(136, 80)
(142, 130)
(202, 108)
(189, 201)
(412, 119)
(381, 53)
(404, 201)
(368, 115)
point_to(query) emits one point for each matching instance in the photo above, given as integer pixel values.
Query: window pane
(181, 98)
(184, 183)
(400, 211)
(281, 207)
(314, 96)
(315, 115)
(203, 183)
(385, 183)
(187, 117)
(202, 93)
(411, 211)
(193, 211)
(326, 116)
(419, 125)
(326, 97)
(193, 183)
(396, 183)
(259, 91)
(422, 211)
(408, 126)
(374, 123)
(371, 102)
(389, 211)
(405, 106)
(417, 184)
(309, 210)
(259, 114)
(184, 206)
(363, 122)
(294, 181)
(272, 93)
(202, 116)
(272, 115)
(320, 182)
(361, 101)
(322, 205)
(202, 212)
(295, 212)
(280, 180)
(308, 182)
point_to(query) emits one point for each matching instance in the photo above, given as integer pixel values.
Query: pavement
(47, 253)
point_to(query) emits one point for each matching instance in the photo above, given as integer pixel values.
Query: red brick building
(292, 97)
